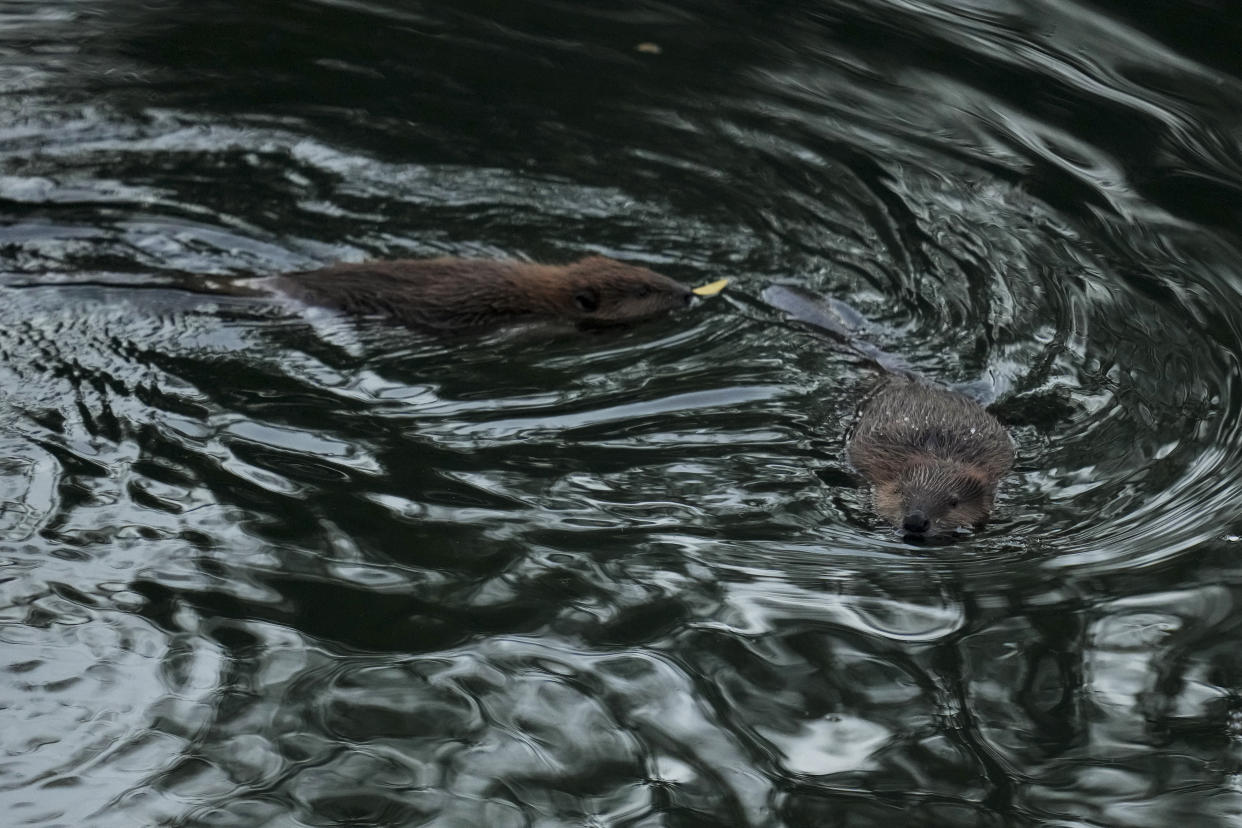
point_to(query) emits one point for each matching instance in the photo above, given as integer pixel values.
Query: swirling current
(262, 566)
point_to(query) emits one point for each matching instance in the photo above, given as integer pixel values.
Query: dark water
(260, 569)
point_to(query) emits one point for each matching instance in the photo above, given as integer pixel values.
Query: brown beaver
(933, 456)
(449, 294)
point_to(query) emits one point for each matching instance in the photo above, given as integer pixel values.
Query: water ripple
(261, 566)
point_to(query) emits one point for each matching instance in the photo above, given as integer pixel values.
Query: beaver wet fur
(450, 294)
(933, 457)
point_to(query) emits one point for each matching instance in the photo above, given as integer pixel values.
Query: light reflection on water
(261, 567)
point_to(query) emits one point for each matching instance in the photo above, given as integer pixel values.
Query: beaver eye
(643, 290)
(587, 300)
(953, 501)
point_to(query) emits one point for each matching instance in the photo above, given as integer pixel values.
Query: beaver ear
(587, 300)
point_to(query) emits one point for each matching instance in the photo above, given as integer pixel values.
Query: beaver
(933, 456)
(451, 294)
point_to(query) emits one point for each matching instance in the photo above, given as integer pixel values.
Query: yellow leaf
(711, 288)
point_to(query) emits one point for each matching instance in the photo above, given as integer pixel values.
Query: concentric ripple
(260, 565)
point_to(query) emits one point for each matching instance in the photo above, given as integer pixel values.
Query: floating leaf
(711, 288)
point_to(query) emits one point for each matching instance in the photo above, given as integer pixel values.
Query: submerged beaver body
(933, 457)
(449, 294)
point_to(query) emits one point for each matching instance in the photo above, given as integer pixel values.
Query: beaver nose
(688, 299)
(916, 523)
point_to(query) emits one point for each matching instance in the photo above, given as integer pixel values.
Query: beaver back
(906, 421)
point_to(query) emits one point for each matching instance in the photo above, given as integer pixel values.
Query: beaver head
(598, 290)
(935, 497)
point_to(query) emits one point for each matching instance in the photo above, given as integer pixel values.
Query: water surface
(259, 567)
